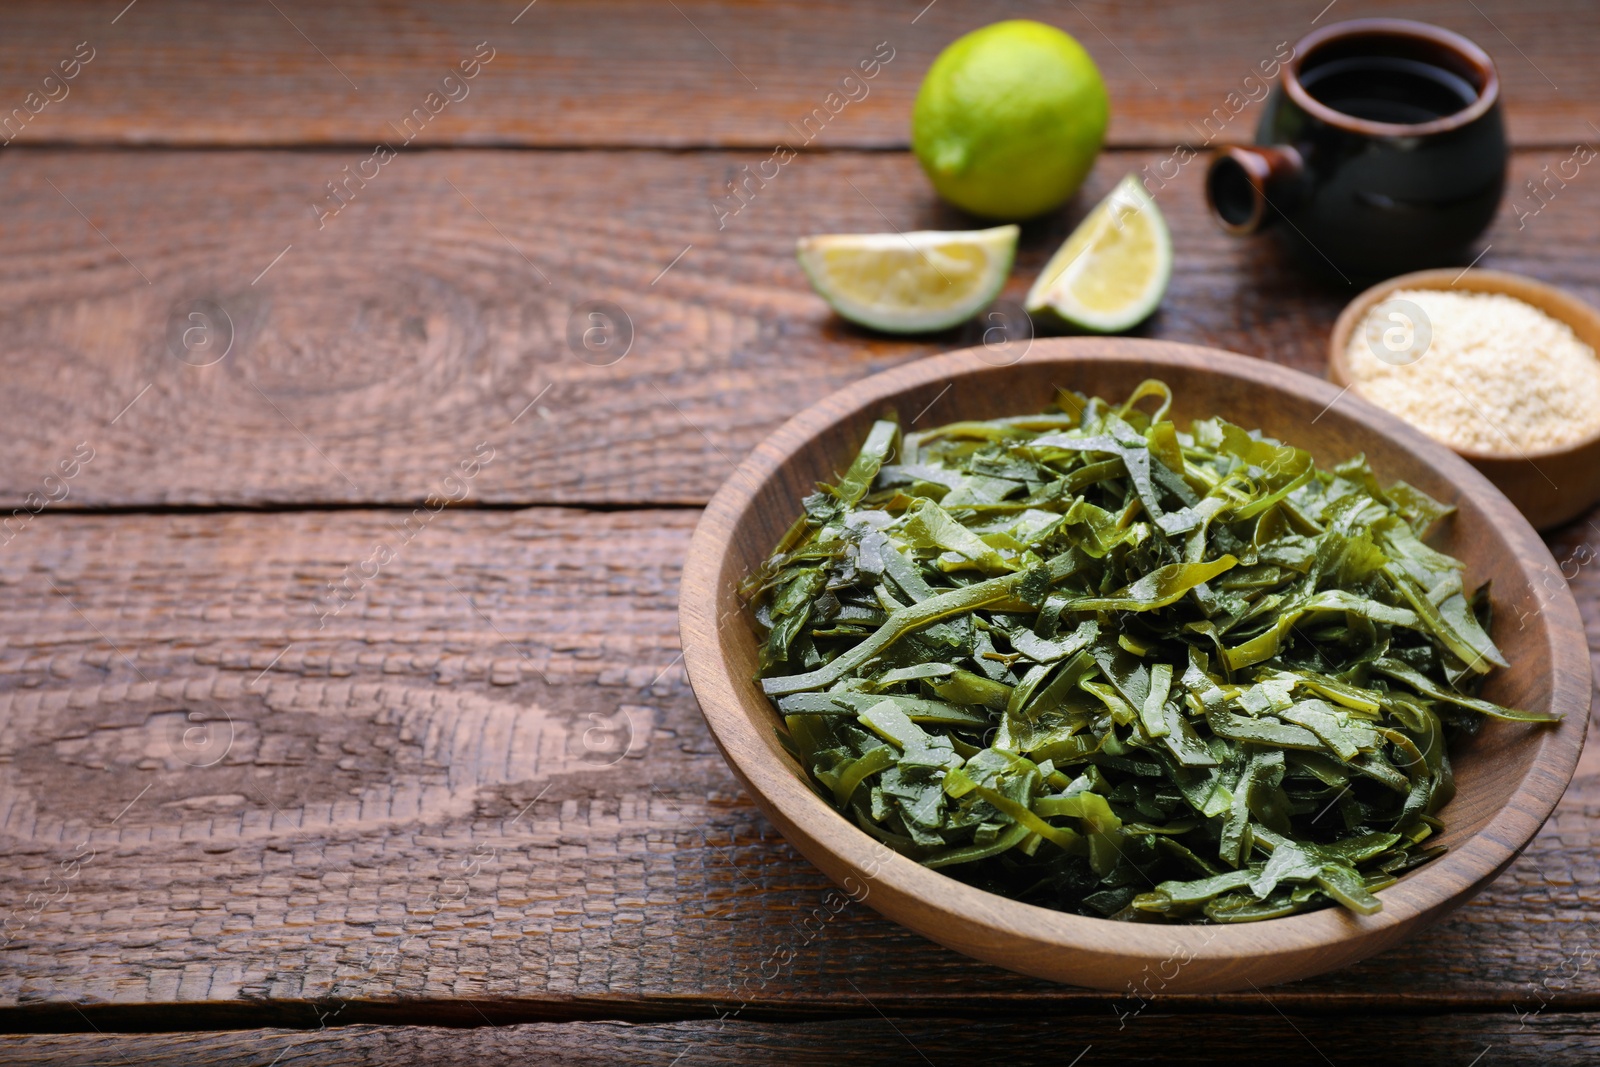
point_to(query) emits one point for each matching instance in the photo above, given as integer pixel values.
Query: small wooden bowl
(1549, 485)
(1509, 776)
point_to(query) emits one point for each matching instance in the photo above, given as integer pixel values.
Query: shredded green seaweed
(1094, 662)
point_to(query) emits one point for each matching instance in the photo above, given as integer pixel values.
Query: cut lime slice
(909, 282)
(1110, 274)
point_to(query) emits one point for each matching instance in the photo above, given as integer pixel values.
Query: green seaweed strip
(1065, 656)
(912, 618)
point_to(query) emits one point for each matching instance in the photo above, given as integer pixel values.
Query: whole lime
(1009, 119)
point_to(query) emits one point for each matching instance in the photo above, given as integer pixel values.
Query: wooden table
(344, 720)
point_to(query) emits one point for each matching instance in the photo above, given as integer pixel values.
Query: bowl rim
(1567, 308)
(792, 805)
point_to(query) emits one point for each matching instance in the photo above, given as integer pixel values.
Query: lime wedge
(1110, 274)
(909, 282)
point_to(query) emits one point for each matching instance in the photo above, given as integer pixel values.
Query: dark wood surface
(690, 74)
(379, 351)
(469, 784)
(1560, 1040)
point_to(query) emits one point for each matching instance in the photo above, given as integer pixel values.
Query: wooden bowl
(1510, 776)
(1549, 485)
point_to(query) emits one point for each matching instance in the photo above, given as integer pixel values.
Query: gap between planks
(467, 1013)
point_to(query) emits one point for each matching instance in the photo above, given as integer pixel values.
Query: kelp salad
(1091, 661)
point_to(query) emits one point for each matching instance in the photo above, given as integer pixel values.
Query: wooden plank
(1266, 1038)
(446, 305)
(480, 784)
(636, 73)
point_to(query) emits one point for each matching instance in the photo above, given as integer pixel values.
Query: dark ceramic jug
(1382, 150)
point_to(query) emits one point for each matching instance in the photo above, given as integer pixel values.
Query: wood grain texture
(365, 848)
(372, 357)
(1262, 1039)
(481, 791)
(633, 72)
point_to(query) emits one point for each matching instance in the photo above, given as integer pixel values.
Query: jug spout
(1245, 182)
